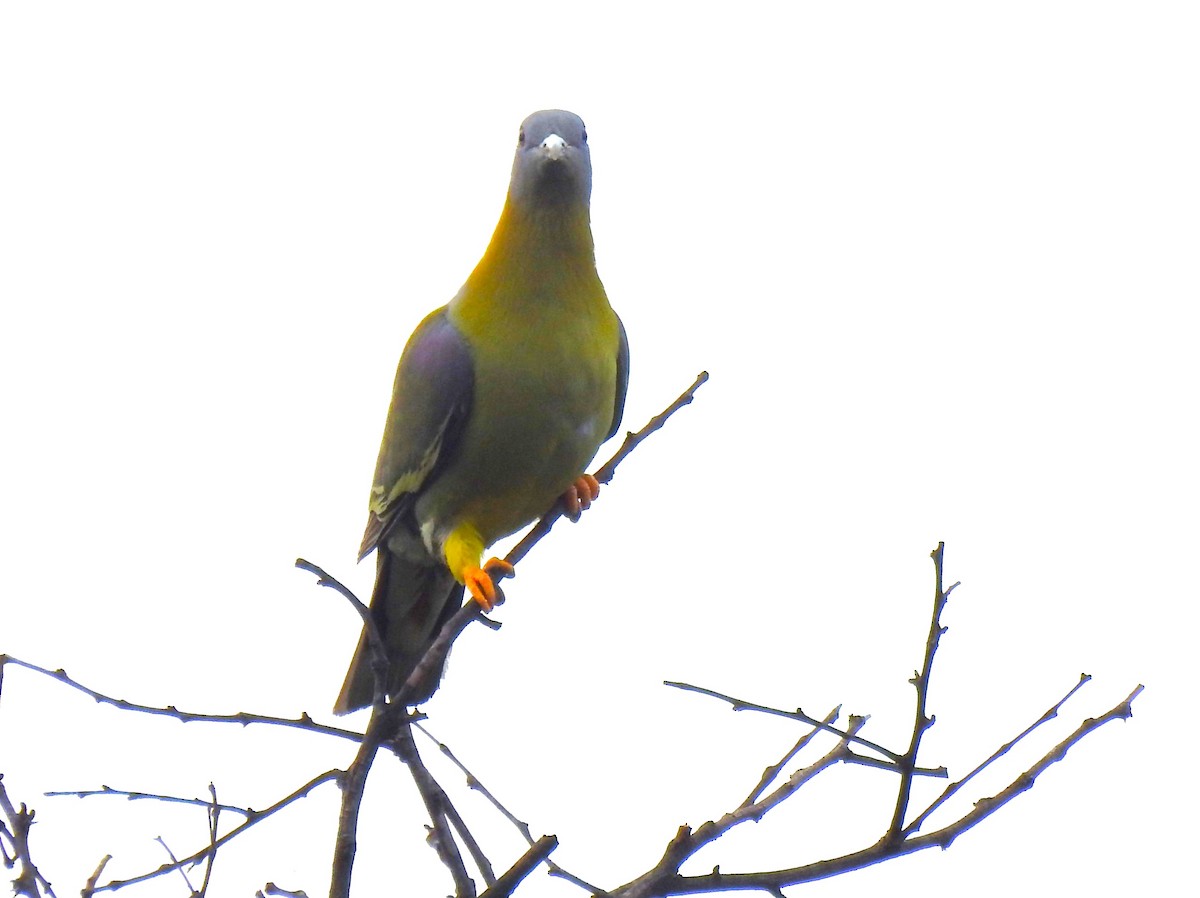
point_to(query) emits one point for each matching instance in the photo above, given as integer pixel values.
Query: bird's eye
(521, 138)
(585, 135)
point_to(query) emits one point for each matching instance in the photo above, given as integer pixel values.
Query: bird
(501, 399)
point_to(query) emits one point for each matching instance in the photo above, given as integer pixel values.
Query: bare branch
(214, 817)
(174, 860)
(146, 796)
(1050, 714)
(14, 836)
(376, 649)
(664, 878)
(743, 705)
(538, 852)
(886, 849)
(920, 681)
(436, 804)
(774, 770)
(522, 827)
(383, 723)
(474, 783)
(985, 807)
(303, 722)
(89, 888)
(256, 817)
(274, 891)
(686, 842)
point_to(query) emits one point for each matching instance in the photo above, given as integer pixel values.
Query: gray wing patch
(622, 381)
(431, 400)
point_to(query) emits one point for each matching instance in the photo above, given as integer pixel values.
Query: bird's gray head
(552, 165)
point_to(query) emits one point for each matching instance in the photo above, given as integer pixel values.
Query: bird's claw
(481, 582)
(580, 495)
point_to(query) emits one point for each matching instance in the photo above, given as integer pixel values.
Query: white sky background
(940, 261)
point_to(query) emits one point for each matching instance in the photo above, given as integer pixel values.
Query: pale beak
(553, 146)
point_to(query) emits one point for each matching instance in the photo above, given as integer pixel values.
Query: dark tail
(410, 604)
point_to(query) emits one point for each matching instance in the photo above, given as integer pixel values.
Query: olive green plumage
(501, 398)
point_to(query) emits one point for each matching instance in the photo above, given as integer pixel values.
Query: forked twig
(521, 826)
(257, 817)
(665, 879)
(1050, 714)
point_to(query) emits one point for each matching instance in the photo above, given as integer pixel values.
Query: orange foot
(481, 582)
(580, 495)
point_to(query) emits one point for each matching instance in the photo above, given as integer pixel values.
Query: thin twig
(743, 705)
(256, 817)
(214, 817)
(1050, 714)
(606, 471)
(687, 842)
(89, 888)
(276, 892)
(377, 655)
(436, 804)
(920, 681)
(303, 722)
(474, 783)
(885, 849)
(774, 770)
(522, 827)
(174, 860)
(538, 852)
(664, 878)
(145, 796)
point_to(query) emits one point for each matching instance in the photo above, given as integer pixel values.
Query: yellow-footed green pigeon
(501, 399)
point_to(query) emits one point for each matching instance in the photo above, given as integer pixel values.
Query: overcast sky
(940, 260)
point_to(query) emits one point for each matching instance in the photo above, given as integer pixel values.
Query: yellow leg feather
(464, 551)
